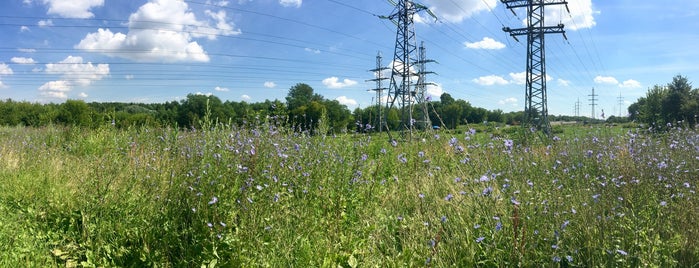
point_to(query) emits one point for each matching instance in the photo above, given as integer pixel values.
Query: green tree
(76, 113)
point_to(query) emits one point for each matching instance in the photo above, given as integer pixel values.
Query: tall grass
(266, 196)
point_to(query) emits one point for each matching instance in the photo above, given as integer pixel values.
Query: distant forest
(303, 109)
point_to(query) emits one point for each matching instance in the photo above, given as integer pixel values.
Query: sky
(152, 51)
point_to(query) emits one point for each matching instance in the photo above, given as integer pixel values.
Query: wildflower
(487, 191)
(556, 259)
(663, 203)
(622, 252)
(208, 224)
(565, 224)
(498, 226)
(402, 158)
(514, 201)
(421, 195)
(476, 226)
(399, 218)
(480, 239)
(222, 224)
(449, 197)
(509, 144)
(214, 200)
(444, 219)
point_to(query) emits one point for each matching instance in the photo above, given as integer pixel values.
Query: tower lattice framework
(535, 103)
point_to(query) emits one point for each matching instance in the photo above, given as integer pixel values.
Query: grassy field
(265, 196)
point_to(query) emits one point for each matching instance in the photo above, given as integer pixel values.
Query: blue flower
(214, 200)
(498, 226)
(448, 197)
(480, 239)
(622, 252)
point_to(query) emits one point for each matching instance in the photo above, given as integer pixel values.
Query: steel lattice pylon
(535, 103)
(401, 92)
(378, 73)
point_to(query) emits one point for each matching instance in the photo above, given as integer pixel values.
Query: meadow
(266, 196)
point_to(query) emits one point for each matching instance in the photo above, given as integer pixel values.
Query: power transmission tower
(378, 73)
(535, 103)
(593, 100)
(577, 108)
(401, 92)
(421, 86)
(621, 103)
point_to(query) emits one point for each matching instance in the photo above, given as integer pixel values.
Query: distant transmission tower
(401, 92)
(421, 86)
(592, 102)
(535, 103)
(577, 108)
(621, 103)
(378, 73)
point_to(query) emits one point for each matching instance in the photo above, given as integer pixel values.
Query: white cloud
(24, 29)
(581, 15)
(82, 95)
(5, 69)
(486, 43)
(434, 91)
(290, 3)
(346, 101)
(129, 77)
(311, 50)
(563, 82)
(630, 84)
(55, 89)
(458, 10)
(208, 94)
(270, 84)
(45, 23)
(508, 101)
(222, 89)
(521, 78)
(607, 80)
(490, 80)
(76, 72)
(22, 60)
(77, 9)
(334, 82)
(2, 85)
(218, 3)
(161, 30)
(245, 97)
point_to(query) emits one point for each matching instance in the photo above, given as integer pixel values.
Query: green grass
(265, 196)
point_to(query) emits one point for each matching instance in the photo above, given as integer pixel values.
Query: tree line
(302, 110)
(673, 103)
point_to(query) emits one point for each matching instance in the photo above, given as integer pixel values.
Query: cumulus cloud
(290, 3)
(245, 97)
(82, 95)
(434, 91)
(486, 43)
(490, 80)
(630, 84)
(24, 29)
(45, 23)
(160, 30)
(458, 10)
(508, 101)
(74, 72)
(563, 82)
(5, 69)
(582, 15)
(346, 101)
(270, 84)
(55, 89)
(334, 82)
(22, 60)
(606, 80)
(521, 78)
(76, 9)
(222, 89)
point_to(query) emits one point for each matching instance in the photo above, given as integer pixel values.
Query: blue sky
(252, 50)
